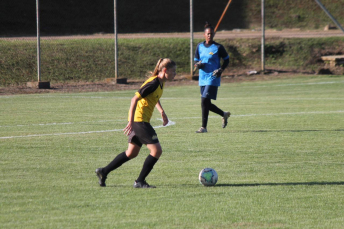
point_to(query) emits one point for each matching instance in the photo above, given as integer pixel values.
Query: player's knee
(205, 102)
(156, 153)
(131, 154)
(159, 153)
(155, 150)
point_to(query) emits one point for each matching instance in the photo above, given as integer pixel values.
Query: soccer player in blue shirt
(207, 59)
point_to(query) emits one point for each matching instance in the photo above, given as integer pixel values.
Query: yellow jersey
(149, 94)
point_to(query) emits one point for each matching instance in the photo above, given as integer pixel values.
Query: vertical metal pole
(263, 38)
(328, 14)
(191, 38)
(115, 32)
(38, 43)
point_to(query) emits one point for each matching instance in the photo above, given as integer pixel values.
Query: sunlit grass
(279, 161)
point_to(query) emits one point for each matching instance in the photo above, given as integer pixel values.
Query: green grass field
(280, 159)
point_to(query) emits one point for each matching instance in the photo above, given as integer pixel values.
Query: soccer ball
(208, 177)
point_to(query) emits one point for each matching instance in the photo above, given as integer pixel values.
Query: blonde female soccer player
(207, 59)
(139, 129)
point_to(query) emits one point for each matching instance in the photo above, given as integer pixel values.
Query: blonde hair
(163, 63)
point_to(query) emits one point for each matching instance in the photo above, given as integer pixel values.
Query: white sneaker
(202, 130)
(225, 119)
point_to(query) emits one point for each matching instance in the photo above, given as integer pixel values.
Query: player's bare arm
(127, 130)
(162, 112)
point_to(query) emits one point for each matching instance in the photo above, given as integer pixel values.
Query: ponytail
(163, 63)
(156, 69)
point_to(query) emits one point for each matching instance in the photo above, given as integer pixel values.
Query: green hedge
(93, 59)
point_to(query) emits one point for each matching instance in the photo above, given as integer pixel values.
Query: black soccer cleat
(142, 184)
(226, 115)
(101, 177)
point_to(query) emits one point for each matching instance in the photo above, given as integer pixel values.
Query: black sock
(205, 111)
(117, 162)
(147, 167)
(215, 109)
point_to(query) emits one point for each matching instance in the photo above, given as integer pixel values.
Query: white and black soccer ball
(208, 177)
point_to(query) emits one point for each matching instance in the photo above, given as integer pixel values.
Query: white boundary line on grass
(77, 133)
(301, 84)
(64, 123)
(160, 126)
(314, 83)
(210, 116)
(81, 96)
(292, 113)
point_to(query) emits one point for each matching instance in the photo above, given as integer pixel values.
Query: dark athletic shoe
(101, 177)
(202, 130)
(225, 119)
(142, 184)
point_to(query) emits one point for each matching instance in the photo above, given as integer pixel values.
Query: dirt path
(73, 87)
(291, 33)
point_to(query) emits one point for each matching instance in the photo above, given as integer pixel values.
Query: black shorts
(143, 133)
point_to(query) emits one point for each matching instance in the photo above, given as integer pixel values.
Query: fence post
(116, 45)
(38, 43)
(263, 38)
(191, 38)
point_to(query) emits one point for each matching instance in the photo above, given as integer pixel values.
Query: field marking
(297, 84)
(123, 120)
(196, 98)
(59, 134)
(292, 113)
(314, 83)
(124, 92)
(68, 96)
(63, 123)
(170, 123)
(210, 116)
(272, 114)
(161, 126)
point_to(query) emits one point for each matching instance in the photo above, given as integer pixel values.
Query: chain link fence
(77, 42)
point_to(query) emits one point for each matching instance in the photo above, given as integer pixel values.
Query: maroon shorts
(142, 133)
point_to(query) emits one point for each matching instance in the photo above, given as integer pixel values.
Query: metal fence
(90, 53)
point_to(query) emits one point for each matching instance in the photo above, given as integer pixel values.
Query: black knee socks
(205, 111)
(117, 162)
(147, 167)
(206, 107)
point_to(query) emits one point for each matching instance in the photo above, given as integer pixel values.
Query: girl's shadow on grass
(282, 184)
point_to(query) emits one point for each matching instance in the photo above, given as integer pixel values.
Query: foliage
(93, 59)
(303, 14)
